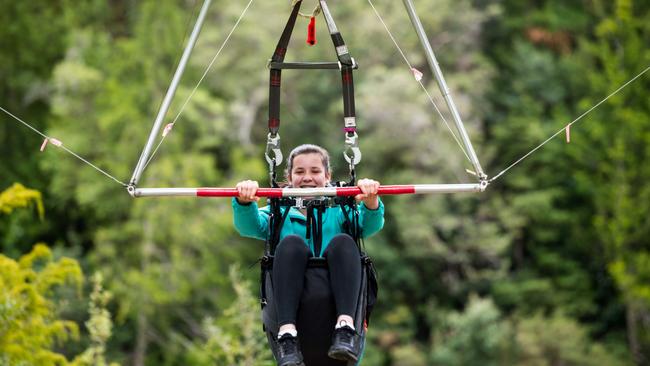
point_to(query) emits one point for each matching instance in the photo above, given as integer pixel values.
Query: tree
(235, 338)
(165, 261)
(29, 326)
(557, 339)
(616, 154)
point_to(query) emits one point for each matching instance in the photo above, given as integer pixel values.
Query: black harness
(315, 208)
(345, 64)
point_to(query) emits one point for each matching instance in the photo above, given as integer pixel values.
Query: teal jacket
(251, 221)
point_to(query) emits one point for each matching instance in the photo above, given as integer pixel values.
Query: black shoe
(345, 345)
(289, 351)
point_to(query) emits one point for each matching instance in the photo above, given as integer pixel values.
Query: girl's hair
(308, 149)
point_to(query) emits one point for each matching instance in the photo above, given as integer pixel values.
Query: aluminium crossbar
(308, 192)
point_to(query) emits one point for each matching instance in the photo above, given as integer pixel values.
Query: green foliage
(29, 326)
(562, 233)
(621, 195)
(541, 340)
(236, 338)
(99, 326)
(473, 337)
(17, 196)
(549, 200)
(619, 142)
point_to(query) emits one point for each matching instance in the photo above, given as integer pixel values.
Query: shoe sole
(342, 355)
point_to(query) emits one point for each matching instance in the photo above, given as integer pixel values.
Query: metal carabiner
(273, 145)
(352, 146)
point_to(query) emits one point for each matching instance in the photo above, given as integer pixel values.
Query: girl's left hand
(369, 189)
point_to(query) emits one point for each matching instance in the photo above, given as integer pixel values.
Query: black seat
(317, 311)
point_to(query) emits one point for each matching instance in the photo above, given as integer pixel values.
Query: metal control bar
(308, 192)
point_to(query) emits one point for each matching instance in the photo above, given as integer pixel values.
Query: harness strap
(347, 65)
(314, 226)
(352, 223)
(276, 74)
(275, 225)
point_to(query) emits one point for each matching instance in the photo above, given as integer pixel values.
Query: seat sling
(317, 314)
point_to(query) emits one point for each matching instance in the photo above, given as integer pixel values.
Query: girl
(308, 167)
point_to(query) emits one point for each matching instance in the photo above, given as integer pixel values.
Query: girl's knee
(342, 242)
(292, 244)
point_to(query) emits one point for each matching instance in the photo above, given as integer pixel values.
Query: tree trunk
(632, 334)
(141, 341)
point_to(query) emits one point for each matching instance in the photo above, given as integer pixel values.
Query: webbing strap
(347, 82)
(275, 225)
(346, 64)
(314, 226)
(276, 74)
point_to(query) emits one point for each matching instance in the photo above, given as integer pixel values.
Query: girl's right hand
(247, 190)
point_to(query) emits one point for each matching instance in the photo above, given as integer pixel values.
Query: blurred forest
(550, 266)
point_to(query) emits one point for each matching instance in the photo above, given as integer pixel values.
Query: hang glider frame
(326, 191)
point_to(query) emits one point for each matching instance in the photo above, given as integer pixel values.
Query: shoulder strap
(276, 73)
(276, 221)
(351, 216)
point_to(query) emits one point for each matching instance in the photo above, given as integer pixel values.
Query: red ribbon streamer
(311, 32)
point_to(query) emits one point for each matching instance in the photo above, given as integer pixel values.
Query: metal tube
(309, 192)
(435, 68)
(331, 26)
(139, 168)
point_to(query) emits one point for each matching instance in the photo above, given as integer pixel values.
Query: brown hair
(308, 149)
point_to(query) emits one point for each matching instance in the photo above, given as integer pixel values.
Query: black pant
(290, 263)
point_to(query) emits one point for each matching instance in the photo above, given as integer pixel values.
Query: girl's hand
(247, 190)
(369, 189)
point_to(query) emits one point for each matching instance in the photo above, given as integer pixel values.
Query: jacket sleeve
(371, 221)
(250, 221)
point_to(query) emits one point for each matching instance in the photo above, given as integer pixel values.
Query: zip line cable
(60, 145)
(223, 45)
(419, 80)
(569, 125)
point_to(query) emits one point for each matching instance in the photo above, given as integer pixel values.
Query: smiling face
(308, 171)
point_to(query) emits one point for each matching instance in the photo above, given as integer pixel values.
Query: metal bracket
(483, 184)
(354, 65)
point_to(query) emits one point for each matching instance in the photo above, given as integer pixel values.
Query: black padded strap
(314, 226)
(275, 82)
(347, 65)
(351, 217)
(275, 225)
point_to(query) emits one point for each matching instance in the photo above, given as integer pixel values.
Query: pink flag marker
(417, 73)
(167, 129)
(54, 142)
